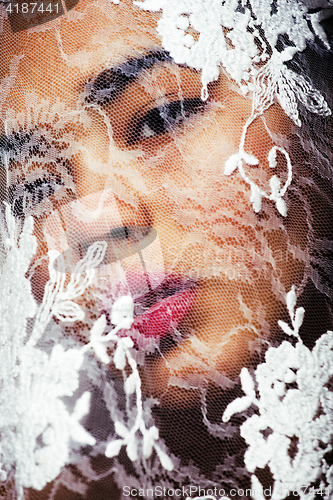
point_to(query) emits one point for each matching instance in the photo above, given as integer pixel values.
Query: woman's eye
(25, 198)
(162, 119)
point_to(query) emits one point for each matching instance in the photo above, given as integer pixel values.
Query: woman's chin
(178, 378)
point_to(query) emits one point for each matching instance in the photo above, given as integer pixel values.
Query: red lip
(163, 307)
(166, 314)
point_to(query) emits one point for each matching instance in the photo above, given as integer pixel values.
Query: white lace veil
(166, 250)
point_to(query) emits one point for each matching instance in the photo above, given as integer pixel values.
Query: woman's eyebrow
(112, 82)
(107, 86)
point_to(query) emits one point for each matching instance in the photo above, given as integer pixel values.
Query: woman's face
(133, 167)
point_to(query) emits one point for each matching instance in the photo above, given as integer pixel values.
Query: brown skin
(88, 46)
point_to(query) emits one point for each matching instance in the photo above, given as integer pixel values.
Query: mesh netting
(166, 250)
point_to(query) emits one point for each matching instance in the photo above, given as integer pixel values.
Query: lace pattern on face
(78, 410)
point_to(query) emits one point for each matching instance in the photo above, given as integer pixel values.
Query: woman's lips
(165, 314)
(160, 310)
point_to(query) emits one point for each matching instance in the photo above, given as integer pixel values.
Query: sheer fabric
(166, 251)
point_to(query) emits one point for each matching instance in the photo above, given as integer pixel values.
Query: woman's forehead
(93, 36)
(115, 28)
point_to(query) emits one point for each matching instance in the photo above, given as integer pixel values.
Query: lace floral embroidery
(295, 413)
(36, 427)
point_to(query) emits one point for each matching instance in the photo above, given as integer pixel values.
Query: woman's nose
(103, 215)
(100, 216)
(127, 229)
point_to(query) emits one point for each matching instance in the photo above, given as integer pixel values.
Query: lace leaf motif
(35, 425)
(122, 316)
(302, 413)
